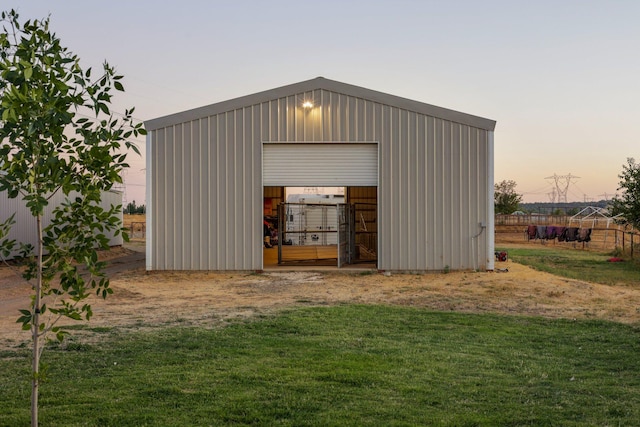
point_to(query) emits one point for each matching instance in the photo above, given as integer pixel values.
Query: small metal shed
(428, 169)
(24, 229)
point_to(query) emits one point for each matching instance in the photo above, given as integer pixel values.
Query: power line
(607, 196)
(562, 183)
(540, 190)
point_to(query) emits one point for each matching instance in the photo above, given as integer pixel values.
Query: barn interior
(315, 229)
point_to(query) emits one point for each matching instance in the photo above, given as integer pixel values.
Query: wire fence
(608, 239)
(138, 230)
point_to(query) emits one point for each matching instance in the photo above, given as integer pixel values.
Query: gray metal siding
(24, 229)
(207, 181)
(206, 197)
(432, 194)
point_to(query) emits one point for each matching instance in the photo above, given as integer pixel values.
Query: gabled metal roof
(320, 83)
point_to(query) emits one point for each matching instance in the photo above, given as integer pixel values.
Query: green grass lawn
(576, 264)
(344, 365)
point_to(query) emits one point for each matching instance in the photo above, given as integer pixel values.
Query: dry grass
(162, 298)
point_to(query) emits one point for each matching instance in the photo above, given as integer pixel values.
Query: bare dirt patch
(146, 300)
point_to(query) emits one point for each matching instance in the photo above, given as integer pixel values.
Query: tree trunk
(35, 331)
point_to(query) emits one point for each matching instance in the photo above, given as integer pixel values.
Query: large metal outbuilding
(428, 169)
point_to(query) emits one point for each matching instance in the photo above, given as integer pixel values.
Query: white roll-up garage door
(320, 164)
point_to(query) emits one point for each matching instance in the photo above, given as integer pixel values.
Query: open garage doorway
(316, 226)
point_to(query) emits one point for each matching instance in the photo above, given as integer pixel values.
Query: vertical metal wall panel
(317, 119)
(434, 159)
(161, 207)
(325, 107)
(180, 228)
(169, 202)
(154, 184)
(264, 121)
(214, 194)
(457, 191)
(172, 183)
(229, 211)
(222, 204)
(234, 191)
(207, 182)
(290, 117)
(156, 145)
(466, 228)
(192, 213)
(24, 228)
(186, 208)
(250, 188)
(204, 193)
(334, 132)
(447, 220)
(416, 251)
(421, 164)
(283, 126)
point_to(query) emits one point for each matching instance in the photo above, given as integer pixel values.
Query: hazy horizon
(560, 78)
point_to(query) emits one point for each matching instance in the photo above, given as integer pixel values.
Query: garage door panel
(320, 164)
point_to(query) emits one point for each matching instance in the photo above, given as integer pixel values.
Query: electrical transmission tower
(552, 195)
(562, 183)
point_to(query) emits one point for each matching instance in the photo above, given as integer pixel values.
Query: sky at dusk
(561, 78)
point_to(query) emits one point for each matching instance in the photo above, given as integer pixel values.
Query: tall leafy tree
(506, 199)
(58, 134)
(628, 203)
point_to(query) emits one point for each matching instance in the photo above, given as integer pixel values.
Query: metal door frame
(346, 233)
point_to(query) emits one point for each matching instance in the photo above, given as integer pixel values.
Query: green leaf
(102, 106)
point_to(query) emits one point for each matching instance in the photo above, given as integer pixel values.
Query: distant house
(24, 229)
(213, 171)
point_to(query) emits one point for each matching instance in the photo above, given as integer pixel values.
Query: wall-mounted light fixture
(307, 105)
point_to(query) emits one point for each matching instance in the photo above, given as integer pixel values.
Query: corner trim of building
(149, 202)
(491, 219)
